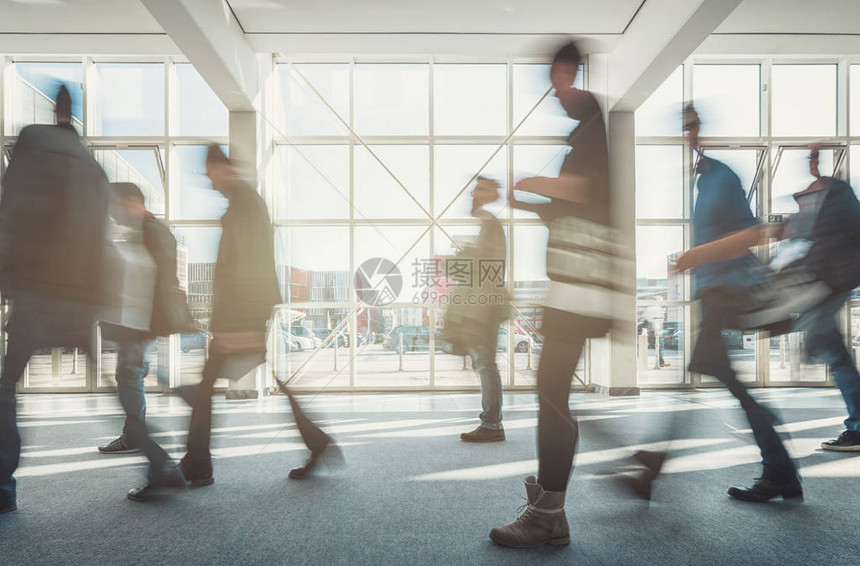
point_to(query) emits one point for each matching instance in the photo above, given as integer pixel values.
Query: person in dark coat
(244, 290)
(53, 220)
(170, 315)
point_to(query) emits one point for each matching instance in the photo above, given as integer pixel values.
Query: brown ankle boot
(542, 521)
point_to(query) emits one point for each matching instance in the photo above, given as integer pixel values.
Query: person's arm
(734, 245)
(571, 188)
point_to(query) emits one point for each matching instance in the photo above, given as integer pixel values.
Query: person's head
(486, 191)
(813, 161)
(691, 124)
(63, 106)
(219, 169)
(562, 73)
(127, 203)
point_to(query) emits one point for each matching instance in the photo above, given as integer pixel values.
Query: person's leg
(484, 358)
(711, 357)
(484, 363)
(17, 356)
(544, 520)
(197, 461)
(825, 342)
(558, 430)
(131, 368)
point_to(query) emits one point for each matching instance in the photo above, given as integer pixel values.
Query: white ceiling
(794, 17)
(76, 16)
(424, 16)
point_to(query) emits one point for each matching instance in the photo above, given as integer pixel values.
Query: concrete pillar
(614, 357)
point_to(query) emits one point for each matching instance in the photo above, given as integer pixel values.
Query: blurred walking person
(244, 290)
(724, 270)
(579, 303)
(169, 315)
(53, 220)
(472, 326)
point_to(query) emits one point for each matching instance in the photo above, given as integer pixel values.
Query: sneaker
(483, 434)
(764, 490)
(848, 441)
(169, 476)
(118, 446)
(8, 507)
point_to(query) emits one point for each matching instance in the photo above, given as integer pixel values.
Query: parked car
(521, 341)
(302, 341)
(323, 333)
(672, 338)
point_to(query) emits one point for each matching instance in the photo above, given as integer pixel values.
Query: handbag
(789, 287)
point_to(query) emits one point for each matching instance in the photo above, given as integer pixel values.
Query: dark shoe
(118, 446)
(483, 434)
(542, 520)
(198, 475)
(169, 476)
(764, 490)
(8, 507)
(848, 441)
(331, 454)
(640, 485)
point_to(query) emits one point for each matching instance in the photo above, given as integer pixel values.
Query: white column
(244, 152)
(614, 357)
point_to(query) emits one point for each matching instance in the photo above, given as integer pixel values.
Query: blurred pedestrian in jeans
(53, 221)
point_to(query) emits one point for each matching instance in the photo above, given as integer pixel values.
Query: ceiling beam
(210, 37)
(661, 36)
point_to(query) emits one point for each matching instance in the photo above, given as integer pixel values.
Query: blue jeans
(711, 357)
(484, 363)
(18, 353)
(131, 367)
(825, 342)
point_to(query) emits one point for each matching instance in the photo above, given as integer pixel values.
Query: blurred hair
(216, 156)
(63, 102)
(568, 54)
(126, 190)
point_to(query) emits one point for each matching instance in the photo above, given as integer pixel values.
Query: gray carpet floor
(411, 493)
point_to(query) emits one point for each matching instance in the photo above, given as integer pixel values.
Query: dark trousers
(131, 368)
(18, 353)
(558, 431)
(200, 398)
(711, 357)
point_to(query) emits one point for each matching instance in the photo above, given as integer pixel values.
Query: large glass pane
(392, 99)
(313, 182)
(548, 118)
(58, 368)
(536, 161)
(854, 100)
(728, 99)
(313, 263)
(193, 198)
(302, 112)
(659, 181)
(199, 245)
(804, 100)
(660, 344)
(454, 166)
(656, 247)
(138, 166)
(469, 100)
(129, 99)
(406, 247)
(379, 195)
(789, 361)
(660, 114)
(34, 88)
(792, 176)
(201, 112)
(854, 166)
(528, 343)
(403, 357)
(530, 280)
